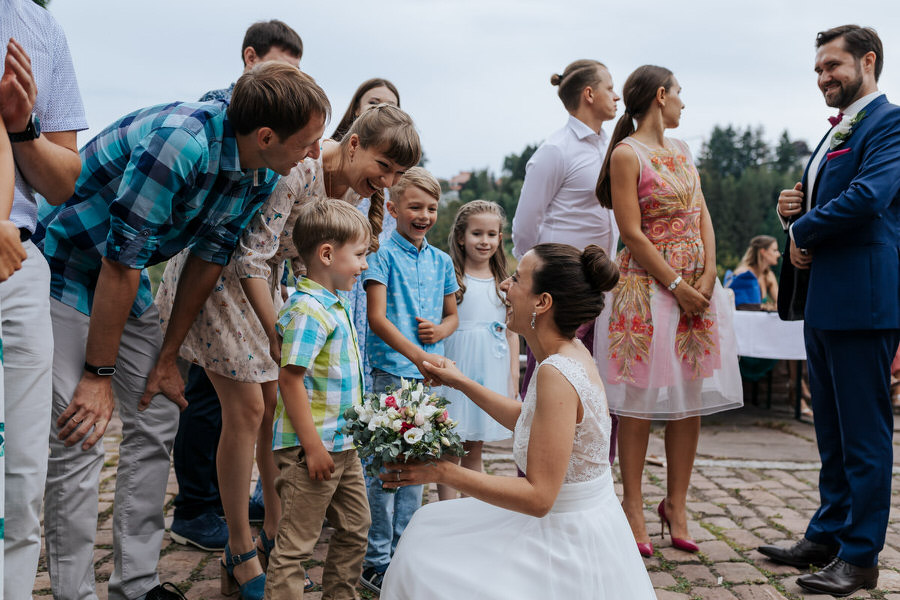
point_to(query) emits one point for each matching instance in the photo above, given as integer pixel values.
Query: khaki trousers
(305, 503)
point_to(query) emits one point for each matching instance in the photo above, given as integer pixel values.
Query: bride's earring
(533, 317)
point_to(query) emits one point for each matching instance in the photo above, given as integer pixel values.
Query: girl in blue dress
(482, 347)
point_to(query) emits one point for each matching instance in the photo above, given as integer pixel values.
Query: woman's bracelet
(675, 283)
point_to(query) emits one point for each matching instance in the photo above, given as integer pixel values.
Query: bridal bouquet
(402, 424)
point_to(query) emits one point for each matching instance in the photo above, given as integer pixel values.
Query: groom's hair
(858, 41)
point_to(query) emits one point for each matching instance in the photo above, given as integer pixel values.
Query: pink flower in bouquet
(390, 402)
(443, 417)
(420, 419)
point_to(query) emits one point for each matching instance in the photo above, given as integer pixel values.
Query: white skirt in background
(468, 549)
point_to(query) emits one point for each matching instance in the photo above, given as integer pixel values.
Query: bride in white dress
(559, 532)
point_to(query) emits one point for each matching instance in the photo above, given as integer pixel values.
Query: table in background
(761, 334)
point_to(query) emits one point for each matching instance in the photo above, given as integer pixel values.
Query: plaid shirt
(223, 95)
(318, 334)
(157, 181)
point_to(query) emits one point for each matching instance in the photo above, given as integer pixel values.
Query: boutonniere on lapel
(844, 129)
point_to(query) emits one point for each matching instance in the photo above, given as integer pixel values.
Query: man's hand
(319, 463)
(800, 257)
(91, 406)
(790, 202)
(164, 379)
(12, 253)
(18, 89)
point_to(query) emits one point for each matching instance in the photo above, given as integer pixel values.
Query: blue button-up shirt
(157, 181)
(417, 281)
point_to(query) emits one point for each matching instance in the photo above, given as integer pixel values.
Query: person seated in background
(756, 287)
(753, 281)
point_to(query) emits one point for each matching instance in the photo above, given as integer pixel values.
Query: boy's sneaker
(371, 578)
(257, 510)
(207, 532)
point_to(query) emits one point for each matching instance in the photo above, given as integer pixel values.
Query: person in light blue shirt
(410, 291)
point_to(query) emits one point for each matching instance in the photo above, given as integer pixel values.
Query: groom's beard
(847, 92)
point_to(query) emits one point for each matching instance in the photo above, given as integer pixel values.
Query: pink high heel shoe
(646, 550)
(681, 544)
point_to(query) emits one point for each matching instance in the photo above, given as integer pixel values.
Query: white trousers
(27, 359)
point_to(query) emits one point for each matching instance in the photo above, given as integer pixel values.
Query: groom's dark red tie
(835, 120)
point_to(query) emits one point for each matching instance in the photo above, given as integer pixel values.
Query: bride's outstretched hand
(445, 373)
(412, 473)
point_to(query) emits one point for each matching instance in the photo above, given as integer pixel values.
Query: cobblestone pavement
(754, 483)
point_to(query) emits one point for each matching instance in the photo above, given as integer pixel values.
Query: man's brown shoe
(839, 579)
(801, 555)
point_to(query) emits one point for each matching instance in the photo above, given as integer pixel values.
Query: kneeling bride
(559, 532)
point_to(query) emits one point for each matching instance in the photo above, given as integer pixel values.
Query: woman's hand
(412, 473)
(275, 349)
(690, 300)
(444, 373)
(706, 283)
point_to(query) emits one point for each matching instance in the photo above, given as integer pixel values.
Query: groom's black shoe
(801, 555)
(839, 579)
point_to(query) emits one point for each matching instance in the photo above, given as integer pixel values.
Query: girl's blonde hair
(392, 132)
(456, 243)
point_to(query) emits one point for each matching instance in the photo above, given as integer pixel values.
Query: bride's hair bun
(555, 79)
(600, 272)
(575, 280)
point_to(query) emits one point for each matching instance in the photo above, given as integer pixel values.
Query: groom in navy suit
(843, 278)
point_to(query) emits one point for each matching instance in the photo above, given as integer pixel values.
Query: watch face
(36, 126)
(106, 371)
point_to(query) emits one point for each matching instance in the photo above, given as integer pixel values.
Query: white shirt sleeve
(544, 175)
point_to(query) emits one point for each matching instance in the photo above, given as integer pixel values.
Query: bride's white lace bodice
(590, 448)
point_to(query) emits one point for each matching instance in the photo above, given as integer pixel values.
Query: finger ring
(79, 422)
(398, 475)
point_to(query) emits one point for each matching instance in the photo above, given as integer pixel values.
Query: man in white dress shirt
(558, 202)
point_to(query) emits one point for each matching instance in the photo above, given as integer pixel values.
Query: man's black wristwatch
(101, 371)
(32, 131)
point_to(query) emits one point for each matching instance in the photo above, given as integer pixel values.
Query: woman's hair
(354, 110)
(575, 280)
(577, 76)
(757, 244)
(391, 131)
(278, 96)
(327, 220)
(456, 244)
(639, 93)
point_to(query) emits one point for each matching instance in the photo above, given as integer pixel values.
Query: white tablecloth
(764, 335)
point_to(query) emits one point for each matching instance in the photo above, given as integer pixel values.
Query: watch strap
(100, 371)
(32, 131)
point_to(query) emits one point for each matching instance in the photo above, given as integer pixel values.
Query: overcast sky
(474, 74)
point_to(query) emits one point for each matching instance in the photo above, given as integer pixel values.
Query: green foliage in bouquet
(400, 425)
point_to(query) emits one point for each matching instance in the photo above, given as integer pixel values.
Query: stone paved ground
(755, 482)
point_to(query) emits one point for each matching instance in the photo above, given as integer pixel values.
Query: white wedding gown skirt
(467, 549)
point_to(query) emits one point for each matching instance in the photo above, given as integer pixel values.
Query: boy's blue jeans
(391, 512)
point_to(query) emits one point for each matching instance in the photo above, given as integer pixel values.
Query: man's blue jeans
(391, 512)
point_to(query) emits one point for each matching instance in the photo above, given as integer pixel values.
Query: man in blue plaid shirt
(183, 175)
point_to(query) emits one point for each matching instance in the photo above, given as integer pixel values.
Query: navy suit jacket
(852, 231)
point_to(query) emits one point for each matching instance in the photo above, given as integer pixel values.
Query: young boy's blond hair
(416, 177)
(328, 220)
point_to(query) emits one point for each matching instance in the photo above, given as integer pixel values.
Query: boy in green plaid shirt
(321, 376)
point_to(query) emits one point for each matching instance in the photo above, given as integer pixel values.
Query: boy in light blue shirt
(410, 287)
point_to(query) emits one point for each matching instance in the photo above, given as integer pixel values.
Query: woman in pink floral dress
(669, 353)
(234, 338)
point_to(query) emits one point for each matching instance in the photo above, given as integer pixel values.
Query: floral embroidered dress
(659, 362)
(227, 337)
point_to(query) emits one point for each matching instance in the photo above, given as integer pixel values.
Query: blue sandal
(267, 546)
(253, 589)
